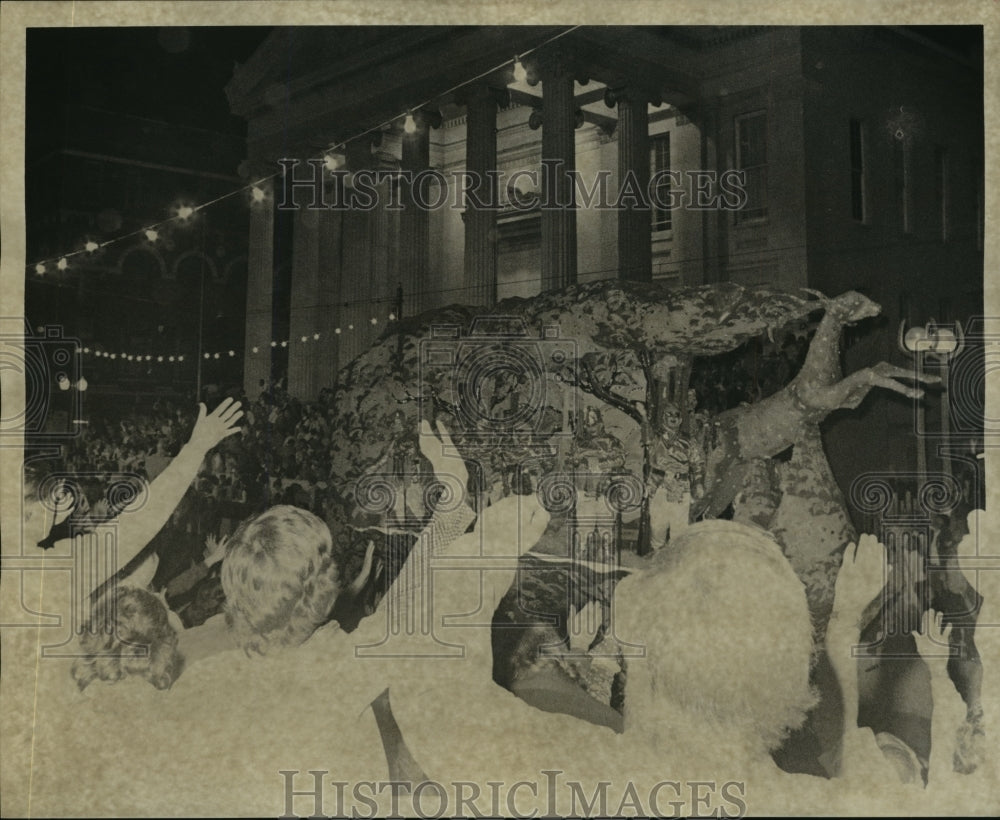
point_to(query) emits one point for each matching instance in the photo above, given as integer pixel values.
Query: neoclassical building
(858, 153)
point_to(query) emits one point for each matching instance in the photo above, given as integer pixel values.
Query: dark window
(751, 159)
(941, 189)
(857, 171)
(659, 161)
(901, 176)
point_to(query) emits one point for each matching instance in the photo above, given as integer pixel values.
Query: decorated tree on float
(514, 383)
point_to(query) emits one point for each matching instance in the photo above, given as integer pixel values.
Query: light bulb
(91, 246)
(410, 124)
(185, 211)
(40, 269)
(62, 264)
(257, 193)
(520, 72)
(152, 235)
(82, 384)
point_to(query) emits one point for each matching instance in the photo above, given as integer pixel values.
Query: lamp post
(932, 343)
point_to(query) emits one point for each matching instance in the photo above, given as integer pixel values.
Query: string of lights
(256, 191)
(162, 358)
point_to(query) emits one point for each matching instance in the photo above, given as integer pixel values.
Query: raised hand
(438, 451)
(949, 712)
(862, 576)
(211, 428)
(366, 568)
(933, 641)
(215, 549)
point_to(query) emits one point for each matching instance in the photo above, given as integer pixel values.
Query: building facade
(858, 154)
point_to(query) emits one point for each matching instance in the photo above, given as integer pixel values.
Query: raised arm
(861, 578)
(948, 708)
(139, 523)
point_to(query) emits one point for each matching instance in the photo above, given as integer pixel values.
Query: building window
(857, 171)
(751, 159)
(659, 163)
(941, 189)
(901, 176)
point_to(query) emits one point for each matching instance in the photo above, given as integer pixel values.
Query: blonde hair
(727, 632)
(280, 579)
(141, 642)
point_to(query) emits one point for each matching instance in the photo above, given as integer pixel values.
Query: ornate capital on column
(636, 95)
(535, 119)
(427, 118)
(482, 93)
(554, 62)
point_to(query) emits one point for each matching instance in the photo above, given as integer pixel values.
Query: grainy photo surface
(463, 412)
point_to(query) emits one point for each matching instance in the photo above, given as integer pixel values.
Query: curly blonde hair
(727, 632)
(280, 579)
(141, 642)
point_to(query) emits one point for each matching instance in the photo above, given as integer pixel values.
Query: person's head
(280, 579)
(727, 632)
(129, 635)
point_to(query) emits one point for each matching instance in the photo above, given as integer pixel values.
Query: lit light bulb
(316, 336)
(62, 264)
(274, 344)
(410, 124)
(331, 161)
(254, 349)
(337, 331)
(63, 382)
(152, 235)
(284, 343)
(232, 353)
(257, 193)
(373, 320)
(392, 317)
(131, 357)
(159, 358)
(180, 358)
(40, 269)
(82, 384)
(185, 211)
(149, 358)
(86, 350)
(91, 246)
(114, 356)
(350, 327)
(520, 72)
(170, 358)
(305, 339)
(208, 355)
(216, 356)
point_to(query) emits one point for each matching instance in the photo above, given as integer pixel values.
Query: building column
(414, 222)
(354, 298)
(481, 103)
(558, 218)
(635, 243)
(715, 221)
(260, 281)
(304, 313)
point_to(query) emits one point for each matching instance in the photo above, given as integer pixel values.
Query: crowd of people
(280, 581)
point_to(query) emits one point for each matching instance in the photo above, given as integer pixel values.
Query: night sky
(173, 74)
